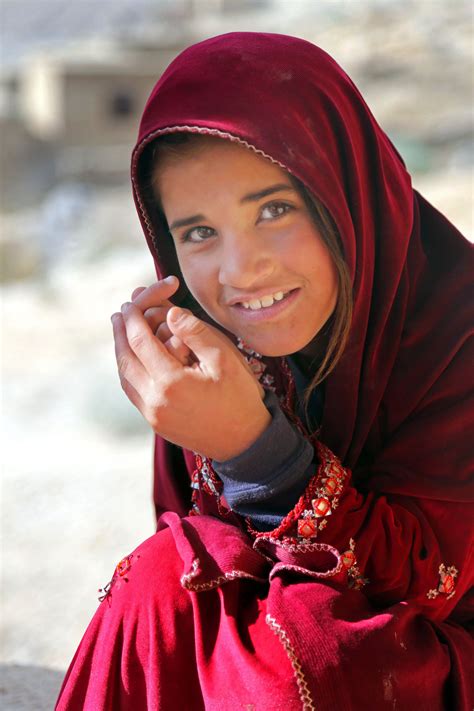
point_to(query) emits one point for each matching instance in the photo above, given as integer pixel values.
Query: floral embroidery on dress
(328, 487)
(254, 360)
(120, 573)
(446, 585)
(349, 561)
(205, 480)
(320, 499)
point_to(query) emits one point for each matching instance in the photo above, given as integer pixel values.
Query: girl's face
(247, 247)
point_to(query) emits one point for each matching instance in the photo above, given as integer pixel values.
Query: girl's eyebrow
(186, 221)
(250, 197)
(266, 191)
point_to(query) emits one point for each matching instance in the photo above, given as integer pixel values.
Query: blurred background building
(72, 115)
(74, 78)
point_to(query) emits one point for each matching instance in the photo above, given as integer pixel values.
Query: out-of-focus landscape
(74, 78)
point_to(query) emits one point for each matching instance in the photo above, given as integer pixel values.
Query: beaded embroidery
(446, 584)
(317, 503)
(120, 572)
(349, 561)
(204, 479)
(254, 360)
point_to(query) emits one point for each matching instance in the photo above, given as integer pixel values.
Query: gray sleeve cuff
(277, 462)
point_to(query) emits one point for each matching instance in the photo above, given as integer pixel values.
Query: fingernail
(114, 317)
(125, 306)
(169, 279)
(176, 314)
(143, 288)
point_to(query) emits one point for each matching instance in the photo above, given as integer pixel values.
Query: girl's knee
(150, 576)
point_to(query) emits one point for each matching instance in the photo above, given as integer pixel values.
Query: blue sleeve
(266, 480)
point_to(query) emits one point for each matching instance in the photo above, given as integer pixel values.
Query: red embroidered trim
(446, 585)
(349, 561)
(318, 501)
(121, 569)
(205, 480)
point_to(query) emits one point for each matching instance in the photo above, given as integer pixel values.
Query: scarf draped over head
(396, 405)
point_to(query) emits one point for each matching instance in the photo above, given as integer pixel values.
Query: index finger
(138, 291)
(157, 294)
(150, 351)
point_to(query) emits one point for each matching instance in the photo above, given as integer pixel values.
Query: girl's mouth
(268, 312)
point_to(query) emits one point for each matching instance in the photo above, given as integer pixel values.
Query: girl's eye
(271, 211)
(275, 209)
(197, 234)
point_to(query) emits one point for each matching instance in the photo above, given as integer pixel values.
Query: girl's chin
(272, 349)
(270, 345)
(280, 341)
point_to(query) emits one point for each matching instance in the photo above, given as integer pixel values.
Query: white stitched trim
(301, 548)
(206, 131)
(306, 571)
(188, 577)
(185, 129)
(305, 694)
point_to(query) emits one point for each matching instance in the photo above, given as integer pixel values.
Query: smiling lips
(256, 310)
(264, 301)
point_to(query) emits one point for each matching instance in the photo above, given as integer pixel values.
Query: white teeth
(265, 301)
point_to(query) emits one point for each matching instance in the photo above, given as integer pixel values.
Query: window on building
(122, 104)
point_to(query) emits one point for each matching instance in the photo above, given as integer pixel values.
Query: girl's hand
(213, 407)
(154, 302)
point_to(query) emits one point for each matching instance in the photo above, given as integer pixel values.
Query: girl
(303, 360)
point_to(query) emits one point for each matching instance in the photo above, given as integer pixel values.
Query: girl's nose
(243, 262)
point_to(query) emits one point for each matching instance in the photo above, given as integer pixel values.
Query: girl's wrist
(241, 439)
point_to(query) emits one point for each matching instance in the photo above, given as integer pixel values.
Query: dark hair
(336, 330)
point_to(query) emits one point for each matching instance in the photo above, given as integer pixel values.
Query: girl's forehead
(211, 151)
(219, 163)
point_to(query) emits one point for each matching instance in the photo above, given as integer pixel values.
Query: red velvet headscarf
(396, 406)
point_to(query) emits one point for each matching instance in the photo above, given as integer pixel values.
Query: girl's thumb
(196, 334)
(182, 319)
